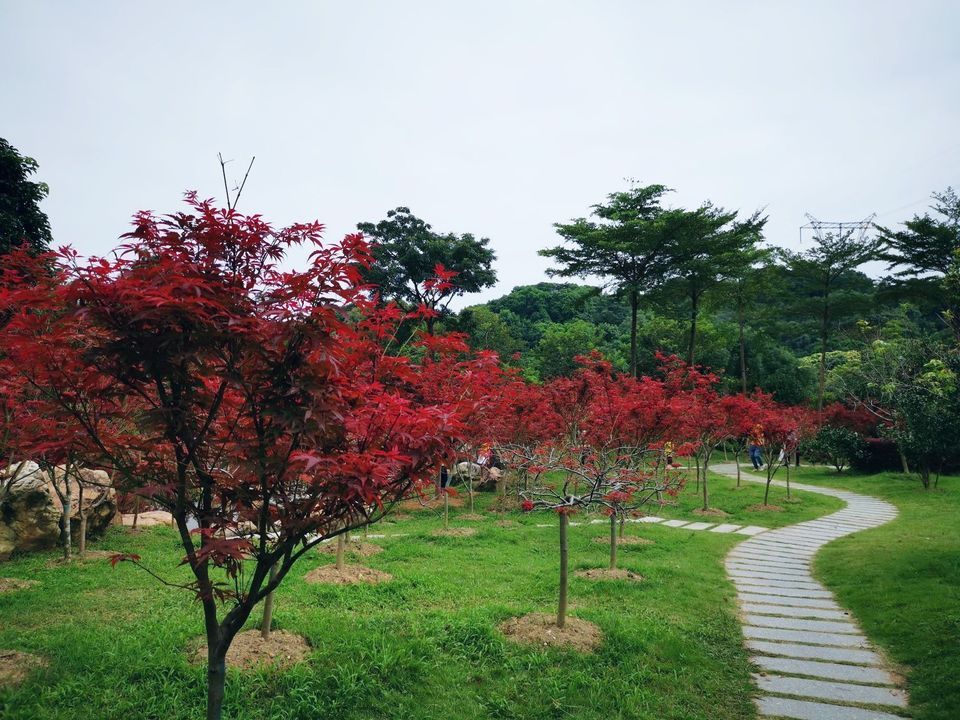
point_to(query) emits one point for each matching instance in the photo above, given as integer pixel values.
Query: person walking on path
(756, 442)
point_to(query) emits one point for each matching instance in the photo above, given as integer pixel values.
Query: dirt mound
(430, 504)
(13, 584)
(506, 523)
(760, 507)
(541, 629)
(15, 666)
(608, 574)
(350, 575)
(360, 549)
(454, 532)
(711, 512)
(626, 540)
(249, 650)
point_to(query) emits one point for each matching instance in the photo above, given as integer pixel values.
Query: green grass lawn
(426, 645)
(422, 646)
(902, 581)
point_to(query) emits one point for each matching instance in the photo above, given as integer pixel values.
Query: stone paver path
(813, 662)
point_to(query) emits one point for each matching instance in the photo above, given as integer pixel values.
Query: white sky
(497, 118)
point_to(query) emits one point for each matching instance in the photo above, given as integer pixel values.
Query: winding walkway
(813, 662)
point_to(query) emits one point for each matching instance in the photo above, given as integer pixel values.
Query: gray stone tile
(790, 611)
(771, 572)
(675, 523)
(815, 652)
(805, 637)
(827, 626)
(697, 526)
(777, 582)
(725, 528)
(807, 710)
(790, 592)
(792, 601)
(830, 690)
(815, 668)
(751, 530)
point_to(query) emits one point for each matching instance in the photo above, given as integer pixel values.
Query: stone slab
(770, 574)
(807, 710)
(751, 530)
(804, 636)
(697, 526)
(768, 559)
(675, 523)
(790, 592)
(830, 690)
(791, 601)
(826, 626)
(815, 652)
(650, 519)
(778, 583)
(789, 611)
(828, 670)
(725, 528)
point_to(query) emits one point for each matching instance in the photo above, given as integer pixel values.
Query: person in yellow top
(756, 443)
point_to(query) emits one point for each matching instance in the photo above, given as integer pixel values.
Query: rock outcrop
(30, 508)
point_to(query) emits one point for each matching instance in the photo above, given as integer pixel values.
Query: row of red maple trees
(269, 409)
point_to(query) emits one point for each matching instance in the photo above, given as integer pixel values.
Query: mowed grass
(902, 582)
(738, 503)
(422, 646)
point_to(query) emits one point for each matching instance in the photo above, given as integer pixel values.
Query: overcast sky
(497, 118)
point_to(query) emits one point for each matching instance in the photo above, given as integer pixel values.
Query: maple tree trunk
(788, 480)
(706, 494)
(562, 605)
(67, 502)
(697, 488)
(82, 540)
(613, 542)
(470, 491)
(623, 522)
(903, 462)
(446, 510)
(341, 542)
(766, 492)
(216, 678)
(736, 459)
(266, 625)
(136, 512)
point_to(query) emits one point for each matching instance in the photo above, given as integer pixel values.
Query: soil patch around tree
(14, 584)
(357, 548)
(711, 512)
(608, 574)
(764, 508)
(432, 504)
(350, 575)
(625, 540)
(455, 532)
(541, 629)
(15, 666)
(506, 523)
(472, 517)
(249, 650)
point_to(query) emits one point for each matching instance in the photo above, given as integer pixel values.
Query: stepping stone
(806, 637)
(751, 530)
(675, 523)
(791, 601)
(789, 611)
(827, 690)
(797, 624)
(790, 592)
(725, 528)
(831, 671)
(698, 526)
(772, 573)
(788, 583)
(806, 710)
(815, 652)
(650, 519)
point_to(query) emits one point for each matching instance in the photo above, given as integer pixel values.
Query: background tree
(627, 246)
(741, 287)
(22, 222)
(820, 268)
(926, 250)
(705, 247)
(406, 251)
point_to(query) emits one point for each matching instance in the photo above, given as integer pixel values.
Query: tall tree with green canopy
(22, 222)
(406, 252)
(927, 246)
(820, 268)
(706, 246)
(741, 288)
(626, 245)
